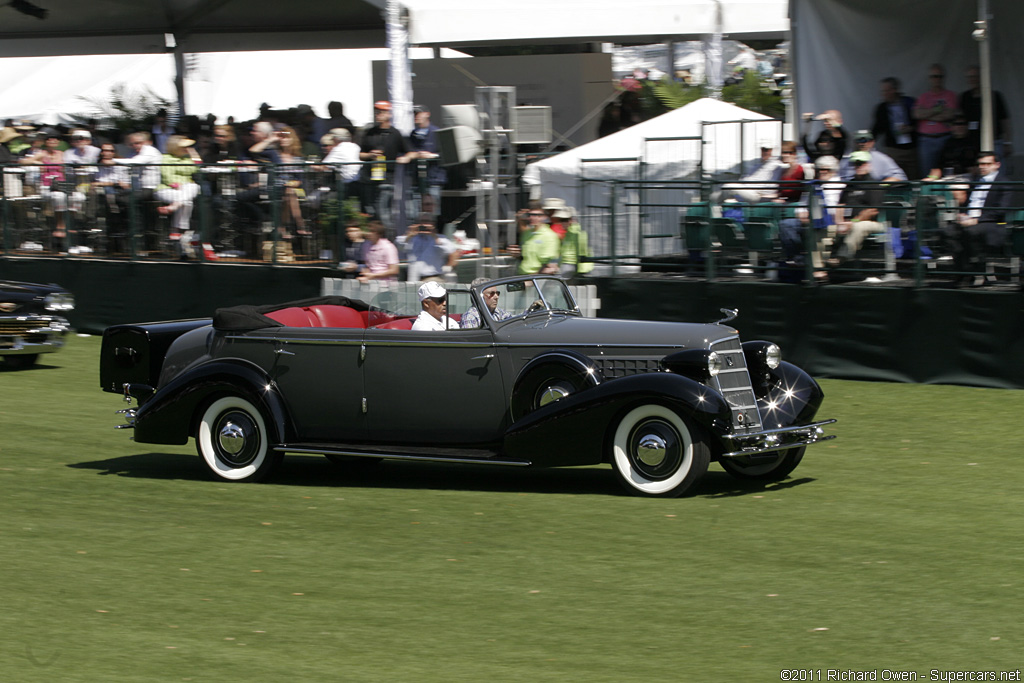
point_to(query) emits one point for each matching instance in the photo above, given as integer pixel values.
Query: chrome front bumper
(771, 440)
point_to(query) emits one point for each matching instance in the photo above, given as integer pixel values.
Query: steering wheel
(537, 305)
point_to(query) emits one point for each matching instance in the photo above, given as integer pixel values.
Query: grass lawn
(897, 546)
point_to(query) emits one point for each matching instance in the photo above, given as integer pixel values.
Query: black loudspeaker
(458, 145)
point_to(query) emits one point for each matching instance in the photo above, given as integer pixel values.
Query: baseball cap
(863, 134)
(382, 104)
(431, 290)
(860, 157)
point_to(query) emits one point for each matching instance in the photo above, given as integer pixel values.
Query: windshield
(522, 297)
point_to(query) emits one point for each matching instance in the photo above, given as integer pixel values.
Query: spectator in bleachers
(832, 141)
(970, 106)
(859, 204)
(425, 174)
(290, 180)
(959, 156)
(310, 126)
(768, 169)
(342, 154)
(934, 110)
(819, 216)
(431, 256)
(539, 247)
(224, 147)
(793, 173)
(379, 256)
(981, 228)
(893, 127)
(148, 158)
(161, 130)
(177, 189)
(352, 262)
(385, 146)
(110, 186)
(7, 136)
(882, 166)
(53, 185)
(82, 152)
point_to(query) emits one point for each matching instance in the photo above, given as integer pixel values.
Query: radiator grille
(16, 326)
(733, 381)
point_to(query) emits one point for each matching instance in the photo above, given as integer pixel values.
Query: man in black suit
(981, 225)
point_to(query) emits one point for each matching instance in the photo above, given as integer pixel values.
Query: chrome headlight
(698, 364)
(714, 364)
(772, 356)
(59, 301)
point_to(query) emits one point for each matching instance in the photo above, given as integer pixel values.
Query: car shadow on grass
(318, 472)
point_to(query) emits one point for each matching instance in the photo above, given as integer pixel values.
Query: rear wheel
(774, 466)
(232, 440)
(656, 452)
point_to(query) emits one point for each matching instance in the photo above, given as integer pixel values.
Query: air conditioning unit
(531, 125)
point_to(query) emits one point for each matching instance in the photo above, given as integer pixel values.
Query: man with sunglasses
(539, 245)
(934, 110)
(471, 318)
(434, 301)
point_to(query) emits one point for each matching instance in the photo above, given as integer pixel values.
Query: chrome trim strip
(396, 456)
(781, 430)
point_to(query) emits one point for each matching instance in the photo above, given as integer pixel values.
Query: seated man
(471, 318)
(769, 168)
(861, 200)
(434, 301)
(981, 228)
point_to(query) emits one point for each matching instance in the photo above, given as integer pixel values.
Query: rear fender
(574, 430)
(170, 416)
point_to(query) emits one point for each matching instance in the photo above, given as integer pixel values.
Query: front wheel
(655, 452)
(774, 466)
(232, 440)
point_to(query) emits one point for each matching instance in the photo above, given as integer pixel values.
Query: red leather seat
(400, 324)
(294, 317)
(337, 316)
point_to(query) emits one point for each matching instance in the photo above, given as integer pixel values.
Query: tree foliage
(127, 108)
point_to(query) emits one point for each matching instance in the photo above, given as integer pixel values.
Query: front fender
(563, 433)
(170, 415)
(787, 396)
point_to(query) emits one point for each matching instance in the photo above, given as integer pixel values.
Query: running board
(472, 457)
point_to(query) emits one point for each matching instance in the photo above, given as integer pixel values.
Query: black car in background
(32, 321)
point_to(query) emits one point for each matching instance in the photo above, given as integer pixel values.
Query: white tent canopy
(653, 149)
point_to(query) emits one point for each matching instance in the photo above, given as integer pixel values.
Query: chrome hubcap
(232, 438)
(651, 450)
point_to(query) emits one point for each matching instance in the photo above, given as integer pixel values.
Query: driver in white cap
(434, 300)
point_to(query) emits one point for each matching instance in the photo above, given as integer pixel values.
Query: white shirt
(346, 156)
(151, 156)
(87, 155)
(980, 194)
(427, 322)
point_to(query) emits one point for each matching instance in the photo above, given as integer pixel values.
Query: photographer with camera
(832, 141)
(431, 256)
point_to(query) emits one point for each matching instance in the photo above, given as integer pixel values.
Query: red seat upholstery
(337, 316)
(400, 324)
(319, 316)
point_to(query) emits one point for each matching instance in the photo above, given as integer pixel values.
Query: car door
(318, 372)
(432, 388)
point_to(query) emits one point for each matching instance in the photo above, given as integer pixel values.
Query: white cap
(431, 290)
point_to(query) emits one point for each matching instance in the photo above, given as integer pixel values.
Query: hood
(573, 330)
(18, 297)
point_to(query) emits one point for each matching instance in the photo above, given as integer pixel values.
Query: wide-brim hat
(553, 204)
(8, 134)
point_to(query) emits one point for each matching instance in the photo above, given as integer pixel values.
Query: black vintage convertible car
(534, 384)
(32, 321)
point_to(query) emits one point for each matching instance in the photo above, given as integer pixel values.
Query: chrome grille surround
(733, 382)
